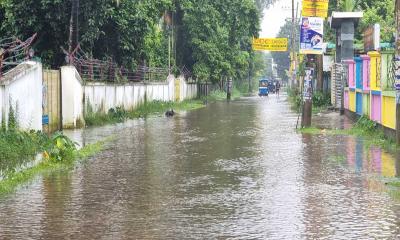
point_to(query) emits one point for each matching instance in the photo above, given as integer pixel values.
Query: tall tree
(217, 36)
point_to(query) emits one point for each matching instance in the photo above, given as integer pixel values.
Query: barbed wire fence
(14, 51)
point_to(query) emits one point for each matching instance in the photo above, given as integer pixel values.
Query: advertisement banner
(311, 35)
(315, 8)
(307, 85)
(270, 44)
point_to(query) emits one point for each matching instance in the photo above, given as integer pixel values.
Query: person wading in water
(277, 88)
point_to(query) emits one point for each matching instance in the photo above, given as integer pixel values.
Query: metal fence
(14, 51)
(92, 69)
(339, 77)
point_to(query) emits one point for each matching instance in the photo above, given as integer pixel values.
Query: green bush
(295, 98)
(367, 125)
(61, 148)
(18, 147)
(321, 100)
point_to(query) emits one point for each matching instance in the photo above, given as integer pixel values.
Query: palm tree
(347, 5)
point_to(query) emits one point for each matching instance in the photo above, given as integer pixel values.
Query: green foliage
(375, 11)
(282, 59)
(295, 99)
(15, 179)
(12, 117)
(61, 148)
(347, 5)
(212, 38)
(366, 125)
(216, 37)
(118, 114)
(18, 147)
(107, 29)
(321, 100)
(381, 12)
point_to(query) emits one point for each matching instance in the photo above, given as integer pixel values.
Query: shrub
(320, 99)
(60, 148)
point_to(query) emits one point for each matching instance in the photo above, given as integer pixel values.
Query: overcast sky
(275, 16)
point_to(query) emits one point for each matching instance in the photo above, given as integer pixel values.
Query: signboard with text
(311, 35)
(270, 44)
(315, 8)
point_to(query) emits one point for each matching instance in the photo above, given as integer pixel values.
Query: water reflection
(228, 171)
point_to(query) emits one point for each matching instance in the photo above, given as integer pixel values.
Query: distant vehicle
(271, 86)
(263, 88)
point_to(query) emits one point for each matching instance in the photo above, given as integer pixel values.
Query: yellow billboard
(270, 44)
(315, 8)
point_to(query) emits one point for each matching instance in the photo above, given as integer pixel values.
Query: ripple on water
(227, 171)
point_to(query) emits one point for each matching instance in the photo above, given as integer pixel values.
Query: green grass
(364, 127)
(157, 107)
(119, 115)
(18, 147)
(394, 184)
(16, 179)
(219, 95)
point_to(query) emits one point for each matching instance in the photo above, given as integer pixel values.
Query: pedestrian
(278, 86)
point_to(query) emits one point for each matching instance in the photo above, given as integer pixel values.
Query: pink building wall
(366, 61)
(376, 108)
(346, 99)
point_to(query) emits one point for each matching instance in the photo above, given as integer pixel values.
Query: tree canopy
(212, 38)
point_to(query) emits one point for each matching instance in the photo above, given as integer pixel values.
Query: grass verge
(17, 147)
(321, 101)
(219, 95)
(118, 114)
(16, 179)
(394, 184)
(364, 127)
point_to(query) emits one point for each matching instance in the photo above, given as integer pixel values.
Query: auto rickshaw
(263, 88)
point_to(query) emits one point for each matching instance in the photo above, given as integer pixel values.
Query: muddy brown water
(233, 170)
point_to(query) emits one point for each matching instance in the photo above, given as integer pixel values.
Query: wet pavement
(231, 170)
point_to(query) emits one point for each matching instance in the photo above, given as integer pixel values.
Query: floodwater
(233, 170)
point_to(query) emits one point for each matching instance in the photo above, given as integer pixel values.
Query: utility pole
(307, 96)
(397, 83)
(293, 47)
(229, 89)
(73, 26)
(320, 72)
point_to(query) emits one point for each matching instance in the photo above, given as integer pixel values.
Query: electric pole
(293, 47)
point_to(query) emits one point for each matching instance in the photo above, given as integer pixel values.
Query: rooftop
(338, 17)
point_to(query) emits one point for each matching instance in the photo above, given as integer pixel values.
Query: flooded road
(228, 171)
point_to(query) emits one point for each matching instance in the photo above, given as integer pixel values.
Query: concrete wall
(72, 98)
(77, 96)
(187, 91)
(103, 96)
(22, 88)
(389, 109)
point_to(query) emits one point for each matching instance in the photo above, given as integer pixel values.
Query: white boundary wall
(103, 96)
(71, 98)
(22, 88)
(187, 91)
